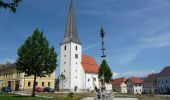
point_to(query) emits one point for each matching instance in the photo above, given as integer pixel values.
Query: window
(166, 81)
(64, 62)
(36, 83)
(65, 47)
(76, 47)
(42, 84)
(29, 84)
(88, 80)
(94, 79)
(48, 84)
(76, 56)
(64, 55)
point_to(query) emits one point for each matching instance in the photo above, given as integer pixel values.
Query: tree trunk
(33, 90)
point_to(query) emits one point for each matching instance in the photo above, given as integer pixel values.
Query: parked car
(39, 89)
(48, 89)
(6, 89)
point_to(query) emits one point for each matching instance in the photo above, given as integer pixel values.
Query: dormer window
(65, 47)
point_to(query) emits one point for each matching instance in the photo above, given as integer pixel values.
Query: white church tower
(71, 57)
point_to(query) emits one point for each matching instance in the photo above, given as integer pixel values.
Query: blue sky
(137, 31)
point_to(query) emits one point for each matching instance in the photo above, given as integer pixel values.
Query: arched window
(65, 47)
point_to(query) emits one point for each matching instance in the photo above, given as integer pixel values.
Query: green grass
(8, 96)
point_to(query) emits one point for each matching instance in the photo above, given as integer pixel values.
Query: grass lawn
(143, 97)
(9, 96)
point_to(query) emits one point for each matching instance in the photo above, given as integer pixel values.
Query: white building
(119, 85)
(80, 70)
(134, 85)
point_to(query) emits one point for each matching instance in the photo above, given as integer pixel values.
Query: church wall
(77, 72)
(91, 81)
(65, 63)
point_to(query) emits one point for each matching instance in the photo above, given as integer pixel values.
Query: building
(80, 70)
(119, 85)
(134, 85)
(163, 81)
(150, 84)
(10, 77)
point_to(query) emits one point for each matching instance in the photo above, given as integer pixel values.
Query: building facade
(10, 77)
(163, 81)
(150, 84)
(119, 85)
(134, 85)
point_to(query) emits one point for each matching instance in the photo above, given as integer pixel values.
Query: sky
(137, 37)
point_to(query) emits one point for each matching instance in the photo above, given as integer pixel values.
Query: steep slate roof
(89, 64)
(13, 65)
(118, 81)
(165, 72)
(135, 80)
(151, 78)
(71, 30)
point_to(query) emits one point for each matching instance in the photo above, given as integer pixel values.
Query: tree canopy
(105, 71)
(35, 57)
(10, 5)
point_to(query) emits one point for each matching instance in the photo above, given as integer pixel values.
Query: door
(16, 85)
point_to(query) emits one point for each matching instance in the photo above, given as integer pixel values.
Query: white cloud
(136, 73)
(3, 61)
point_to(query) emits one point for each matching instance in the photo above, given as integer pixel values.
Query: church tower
(71, 57)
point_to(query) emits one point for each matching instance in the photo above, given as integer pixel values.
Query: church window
(88, 80)
(76, 56)
(65, 47)
(94, 79)
(76, 47)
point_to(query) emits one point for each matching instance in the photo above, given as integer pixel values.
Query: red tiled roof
(118, 81)
(89, 64)
(135, 80)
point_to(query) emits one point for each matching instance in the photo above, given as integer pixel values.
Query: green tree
(105, 73)
(36, 58)
(10, 5)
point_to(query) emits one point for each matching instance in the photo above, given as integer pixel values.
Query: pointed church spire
(71, 30)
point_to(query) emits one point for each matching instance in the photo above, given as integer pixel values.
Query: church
(79, 70)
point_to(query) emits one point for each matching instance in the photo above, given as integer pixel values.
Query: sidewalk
(92, 98)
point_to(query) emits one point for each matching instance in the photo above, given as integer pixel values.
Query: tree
(105, 73)
(10, 5)
(62, 79)
(36, 58)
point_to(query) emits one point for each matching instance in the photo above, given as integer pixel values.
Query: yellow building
(10, 77)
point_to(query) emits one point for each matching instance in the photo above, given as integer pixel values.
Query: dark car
(39, 89)
(48, 89)
(6, 89)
